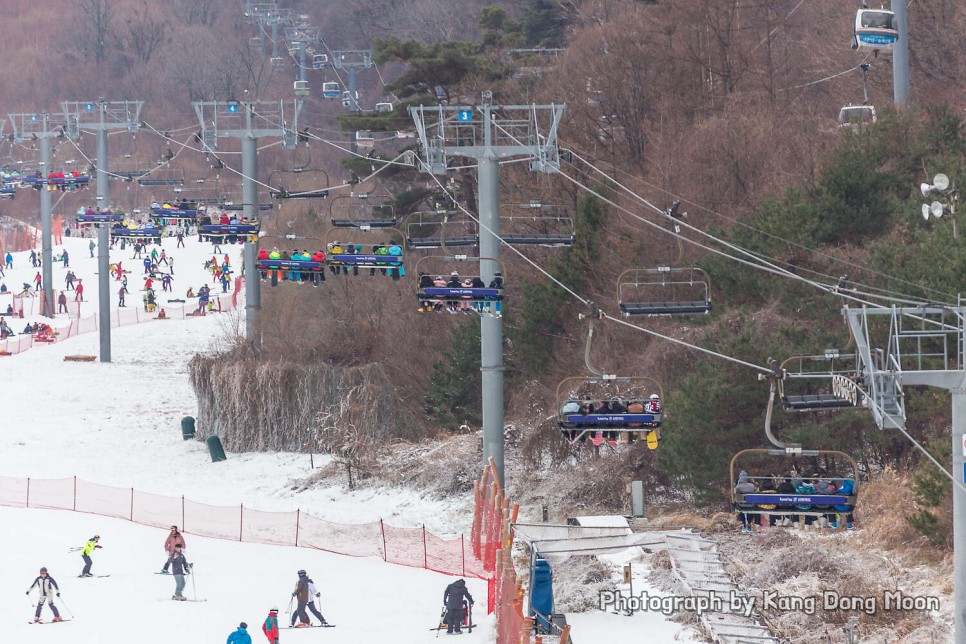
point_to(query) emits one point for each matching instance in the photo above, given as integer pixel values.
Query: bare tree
(146, 32)
(99, 18)
(196, 12)
(357, 450)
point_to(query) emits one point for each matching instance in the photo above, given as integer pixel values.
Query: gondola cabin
(853, 116)
(875, 30)
(350, 98)
(610, 409)
(384, 107)
(320, 61)
(364, 139)
(330, 89)
(301, 88)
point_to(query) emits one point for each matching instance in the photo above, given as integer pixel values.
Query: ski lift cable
(827, 78)
(901, 300)
(759, 263)
(93, 164)
(772, 32)
(747, 226)
(585, 301)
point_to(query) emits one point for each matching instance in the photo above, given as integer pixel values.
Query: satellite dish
(925, 210)
(925, 189)
(940, 181)
(936, 209)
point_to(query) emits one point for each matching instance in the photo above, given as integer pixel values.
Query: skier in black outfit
(453, 599)
(48, 588)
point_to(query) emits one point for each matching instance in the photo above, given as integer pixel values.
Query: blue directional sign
(89, 107)
(232, 107)
(33, 117)
(464, 116)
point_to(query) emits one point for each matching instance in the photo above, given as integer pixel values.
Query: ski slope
(118, 424)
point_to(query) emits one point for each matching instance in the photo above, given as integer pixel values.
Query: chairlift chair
(856, 115)
(362, 210)
(766, 468)
(282, 192)
(525, 227)
(382, 251)
(440, 230)
(441, 286)
(320, 61)
(301, 88)
(330, 89)
(875, 29)
(587, 410)
(821, 382)
(664, 291)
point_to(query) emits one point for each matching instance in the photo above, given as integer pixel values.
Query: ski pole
(66, 607)
(288, 611)
(469, 616)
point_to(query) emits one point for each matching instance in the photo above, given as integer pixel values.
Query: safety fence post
(132, 504)
(298, 517)
(425, 558)
(241, 521)
(183, 526)
(75, 495)
(385, 552)
(28, 492)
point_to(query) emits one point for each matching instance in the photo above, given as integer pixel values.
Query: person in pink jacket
(173, 539)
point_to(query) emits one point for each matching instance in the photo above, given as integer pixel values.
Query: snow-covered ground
(119, 424)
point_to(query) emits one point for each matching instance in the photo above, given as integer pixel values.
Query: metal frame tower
(234, 119)
(303, 36)
(351, 60)
(919, 346)
(489, 133)
(32, 127)
(102, 117)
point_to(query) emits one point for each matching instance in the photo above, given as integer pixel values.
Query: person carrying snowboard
(270, 627)
(48, 589)
(86, 555)
(453, 600)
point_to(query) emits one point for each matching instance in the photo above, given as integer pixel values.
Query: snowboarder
(453, 600)
(48, 589)
(270, 627)
(179, 568)
(240, 636)
(174, 539)
(86, 555)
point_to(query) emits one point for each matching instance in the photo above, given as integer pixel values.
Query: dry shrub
(884, 505)
(578, 582)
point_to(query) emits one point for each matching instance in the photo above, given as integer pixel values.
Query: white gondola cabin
(330, 89)
(348, 98)
(364, 139)
(875, 29)
(856, 115)
(319, 61)
(301, 88)
(384, 107)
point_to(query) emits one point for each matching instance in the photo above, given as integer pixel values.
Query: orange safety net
(415, 547)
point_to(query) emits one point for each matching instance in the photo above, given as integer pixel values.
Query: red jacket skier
(270, 627)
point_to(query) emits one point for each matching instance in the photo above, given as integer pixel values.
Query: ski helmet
(273, 609)
(302, 573)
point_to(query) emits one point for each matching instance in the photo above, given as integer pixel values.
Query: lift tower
(919, 346)
(249, 120)
(33, 127)
(301, 38)
(352, 60)
(489, 133)
(102, 117)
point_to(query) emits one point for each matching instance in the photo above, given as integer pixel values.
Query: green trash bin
(215, 449)
(187, 428)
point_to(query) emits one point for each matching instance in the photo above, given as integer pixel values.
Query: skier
(270, 627)
(313, 595)
(174, 539)
(303, 593)
(86, 554)
(62, 303)
(79, 297)
(453, 600)
(240, 636)
(179, 568)
(91, 246)
(48, 589)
